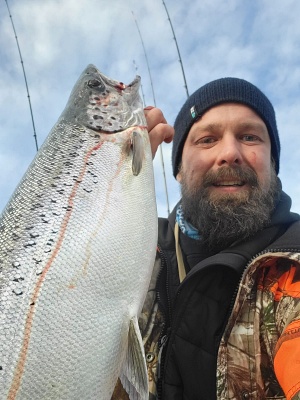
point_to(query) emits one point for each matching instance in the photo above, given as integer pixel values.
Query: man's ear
(178, 177)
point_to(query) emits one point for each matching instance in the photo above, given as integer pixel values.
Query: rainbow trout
(77, 246)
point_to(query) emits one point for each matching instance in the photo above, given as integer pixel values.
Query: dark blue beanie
(224, 90)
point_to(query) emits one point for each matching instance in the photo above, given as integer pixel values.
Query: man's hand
(158, 128)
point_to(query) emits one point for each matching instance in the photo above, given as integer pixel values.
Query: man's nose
(229, 152)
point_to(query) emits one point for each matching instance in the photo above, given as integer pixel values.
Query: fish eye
(94, 83)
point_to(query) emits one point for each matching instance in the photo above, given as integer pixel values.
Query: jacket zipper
(164, 335)
(167, 312)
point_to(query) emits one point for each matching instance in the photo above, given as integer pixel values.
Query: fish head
(103, 104)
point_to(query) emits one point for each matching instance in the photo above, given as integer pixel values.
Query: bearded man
(222, 315)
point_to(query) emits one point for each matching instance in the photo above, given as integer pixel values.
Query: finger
(160, 133)
(154, 116)
(158, 128)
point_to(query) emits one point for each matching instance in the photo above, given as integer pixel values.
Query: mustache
(243, 174)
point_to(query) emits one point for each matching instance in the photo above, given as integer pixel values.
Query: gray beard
(222, 221)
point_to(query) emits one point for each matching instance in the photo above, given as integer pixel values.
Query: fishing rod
(28, 96)
(180, 59)
(146, 57)
(154, 101)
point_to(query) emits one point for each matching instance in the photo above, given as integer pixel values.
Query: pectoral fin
(138, 152)
(134, 375)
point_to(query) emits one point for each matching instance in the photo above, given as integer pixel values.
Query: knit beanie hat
(220, 91)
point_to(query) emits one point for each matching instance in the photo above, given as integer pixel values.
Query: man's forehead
(239, 108)
(242, 113)
(217, 118)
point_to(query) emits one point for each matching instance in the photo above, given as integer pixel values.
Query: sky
(257, 40)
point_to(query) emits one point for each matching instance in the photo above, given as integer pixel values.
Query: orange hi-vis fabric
(287, 360)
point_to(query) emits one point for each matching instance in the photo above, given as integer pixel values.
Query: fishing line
(136, 68)
(28, 96)
(177, 47)
(154, 101)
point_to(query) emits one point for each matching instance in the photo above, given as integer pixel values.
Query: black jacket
(197, 310)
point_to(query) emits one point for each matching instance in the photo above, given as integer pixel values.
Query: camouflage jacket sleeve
(151, 324)
(259, 354)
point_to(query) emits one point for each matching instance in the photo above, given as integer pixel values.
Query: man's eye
(206, 140)
(250, 138)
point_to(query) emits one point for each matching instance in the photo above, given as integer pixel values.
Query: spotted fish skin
(77, 246)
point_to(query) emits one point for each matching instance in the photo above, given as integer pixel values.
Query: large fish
(77, 246)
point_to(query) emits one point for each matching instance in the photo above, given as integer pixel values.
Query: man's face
(228, 183)
(228, 135)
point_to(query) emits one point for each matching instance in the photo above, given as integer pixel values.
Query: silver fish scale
(76, 251)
